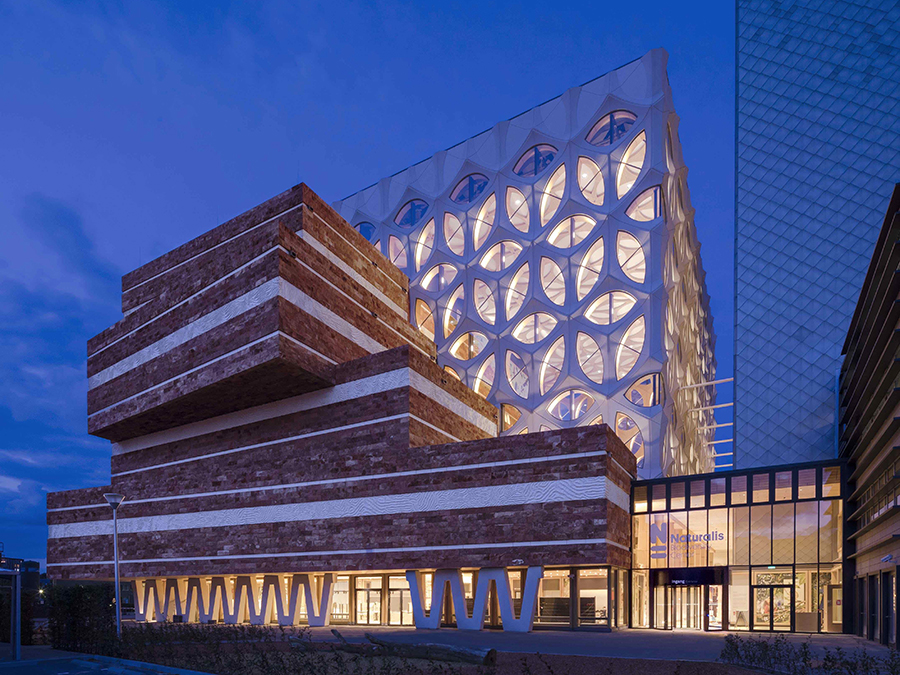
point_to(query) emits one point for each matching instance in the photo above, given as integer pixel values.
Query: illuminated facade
(743, 551)
(554, 261)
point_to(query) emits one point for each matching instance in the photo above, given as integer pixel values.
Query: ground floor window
(801, 598)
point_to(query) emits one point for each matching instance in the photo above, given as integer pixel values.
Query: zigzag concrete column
(443, 577)
(146, 598)
(453, 577)
(500, 576)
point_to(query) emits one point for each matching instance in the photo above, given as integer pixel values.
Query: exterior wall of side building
(554, 261)
(290, 451)
(870, 436)
(817, 155)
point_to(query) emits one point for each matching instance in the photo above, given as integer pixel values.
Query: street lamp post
(114, 501)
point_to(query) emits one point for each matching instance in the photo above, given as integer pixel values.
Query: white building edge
(555, 261)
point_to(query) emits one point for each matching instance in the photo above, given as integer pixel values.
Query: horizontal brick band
(542, 492)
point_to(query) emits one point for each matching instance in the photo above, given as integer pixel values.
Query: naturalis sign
(678, 543)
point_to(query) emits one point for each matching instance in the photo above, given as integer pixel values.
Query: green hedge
(29, 598)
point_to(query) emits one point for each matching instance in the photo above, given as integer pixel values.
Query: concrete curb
(143, 666)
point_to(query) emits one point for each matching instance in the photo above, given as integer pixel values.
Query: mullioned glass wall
(778, 533)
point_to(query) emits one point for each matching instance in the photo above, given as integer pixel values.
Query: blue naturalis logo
(660, 540)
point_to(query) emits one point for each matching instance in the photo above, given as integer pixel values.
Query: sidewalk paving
(687, 645)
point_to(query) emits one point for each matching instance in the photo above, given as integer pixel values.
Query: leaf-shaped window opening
(452, 372)
(518, 287)
(610, 307)
(590, 181)
(630, 254)
(630, 346)
(469, 188)
(366, 229)
(509, 415)
(629, 433)
(500, 256)
(571, 231)
(553, 282)
(570, 405)
(589, 270)
(611, 128)
(454, 234)
(411, 214)
(516, 373)
(596, 421)
(424, 244)
(553, 194)
(631, 164)
(454, 311)
(646, 391)
(396, 251)
(646, 206)
(425, 319)
(535, 161)
(523, 431)
(484, 301)
(517, 209)
(468, 345)
(552, 365)
(438, 277)
(484, 379)
(590, 358)
(484, 222)
(534, 328)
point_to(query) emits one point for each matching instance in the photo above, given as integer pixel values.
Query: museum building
(306, 435)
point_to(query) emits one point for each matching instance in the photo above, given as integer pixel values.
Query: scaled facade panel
(818, 152)
(554, 261)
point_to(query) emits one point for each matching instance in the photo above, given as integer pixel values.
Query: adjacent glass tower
(818, 153)
(555, 263)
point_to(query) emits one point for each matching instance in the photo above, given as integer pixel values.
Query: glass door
(685, 603)
(773, 608)
(714, 607)
(399, 602)
(368, 600)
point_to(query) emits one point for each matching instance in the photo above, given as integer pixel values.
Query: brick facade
(273, 411)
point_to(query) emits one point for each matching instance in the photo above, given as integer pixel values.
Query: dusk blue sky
(128, 129)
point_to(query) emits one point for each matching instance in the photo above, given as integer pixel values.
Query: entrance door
(686, 607)
(715, 594)
(773, 608)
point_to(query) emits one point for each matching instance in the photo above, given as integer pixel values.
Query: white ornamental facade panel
(554, 261)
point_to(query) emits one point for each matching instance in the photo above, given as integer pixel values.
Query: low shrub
(778, 655)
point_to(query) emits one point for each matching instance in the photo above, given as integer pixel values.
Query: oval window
(534, 328)
(629, 349)
(516, 373)
(535, 160)
(469, 188)
(631, 164)
(552, 364)
(590, 181)
(552, 195)
(610, 307)
(411, 213)
(517, 209)
(571, 231)
(468, 345)
(631, 256)
(570, 405)
(500, 256)
(438, 277)
(611, 128)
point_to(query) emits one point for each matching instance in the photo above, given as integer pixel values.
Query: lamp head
(114, 499)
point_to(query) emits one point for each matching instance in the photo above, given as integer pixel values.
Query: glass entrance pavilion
(743, 550)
